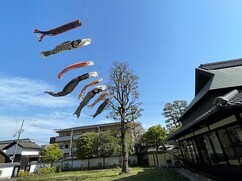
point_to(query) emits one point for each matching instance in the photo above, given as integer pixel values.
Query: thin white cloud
(39, 127)
(23, 98)
(18, 92)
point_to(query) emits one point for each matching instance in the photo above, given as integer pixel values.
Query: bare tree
(124, 106)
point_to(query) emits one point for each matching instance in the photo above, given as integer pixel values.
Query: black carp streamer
(68, 45)
(72, 84)
(102, 107)
(88, 97)
(58, 30)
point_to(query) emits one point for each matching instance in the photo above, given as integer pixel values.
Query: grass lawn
(136, 174)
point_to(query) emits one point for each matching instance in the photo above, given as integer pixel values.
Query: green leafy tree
(87, 146)
(123, 85)
(52, 153)
(129, 140)
(172, 112)
(108, 145)
(139, 144)
(155, 137)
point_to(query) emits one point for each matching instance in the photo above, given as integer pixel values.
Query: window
(211, 154)
(186, 150)
(202, 147)
(196, 150)
(61, 146)
(218, 156)
(235, 135)
(182, 147)
(190, 149)
(228, 146)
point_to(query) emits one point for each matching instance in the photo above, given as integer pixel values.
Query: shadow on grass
(136, 174)
(152, 174)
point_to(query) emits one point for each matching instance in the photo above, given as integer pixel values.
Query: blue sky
(162, 41)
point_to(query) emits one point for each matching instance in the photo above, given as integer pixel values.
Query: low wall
(82, 164)
(34, 166)
(7, 170)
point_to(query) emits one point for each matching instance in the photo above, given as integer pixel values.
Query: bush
(58, 169)
(46, 170)
(22, 174)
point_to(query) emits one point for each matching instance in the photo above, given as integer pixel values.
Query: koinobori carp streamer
(58, 30)
(72, 84)
(74, 66)
(88, 97)
(68, 45)
(102, 107)
(101, 97)
(86, 86)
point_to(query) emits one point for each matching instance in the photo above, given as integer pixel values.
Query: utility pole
(19, 133)
(71, 141)
(70, 152)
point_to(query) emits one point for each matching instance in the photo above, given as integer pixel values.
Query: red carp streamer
(86, 86)
(74, 66)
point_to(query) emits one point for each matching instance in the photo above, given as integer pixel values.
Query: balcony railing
(66, 138)
(67, 150)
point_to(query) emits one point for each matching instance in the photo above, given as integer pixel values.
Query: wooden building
(4, 158)
(210, 138)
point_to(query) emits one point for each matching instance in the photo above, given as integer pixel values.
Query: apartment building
(68, 137)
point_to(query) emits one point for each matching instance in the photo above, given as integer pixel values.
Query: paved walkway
(193, 176)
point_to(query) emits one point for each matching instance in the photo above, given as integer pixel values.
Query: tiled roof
(89, 126)
(29, 145)
(10, 141)
(24, 143)
(222, 64)
(2, 146)
(5, 143)
(234, 101)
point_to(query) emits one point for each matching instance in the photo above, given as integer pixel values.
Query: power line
(91, 35)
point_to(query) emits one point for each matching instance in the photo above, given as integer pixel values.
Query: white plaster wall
(94, 162)
(6, 173)
(30, 152)
(34, 166)
(111, 161)
(133, 159)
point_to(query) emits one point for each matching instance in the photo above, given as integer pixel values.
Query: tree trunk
(88, 164)
(165, 159)
(125, 166)
(154, 160)
(103, 162)
(156, 155)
